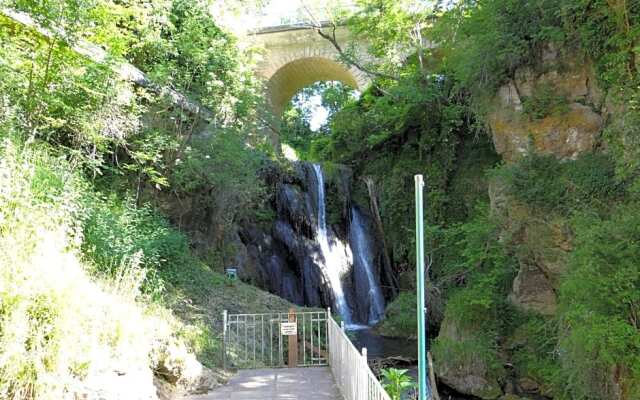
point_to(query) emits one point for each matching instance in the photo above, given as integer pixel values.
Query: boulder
(532, 291)
(462, 363)
(185, 374)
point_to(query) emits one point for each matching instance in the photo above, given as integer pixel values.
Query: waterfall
(360, 245)
(336, 258)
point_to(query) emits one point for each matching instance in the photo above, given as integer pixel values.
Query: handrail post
(224, 339)
(329, 352)
(365, 380)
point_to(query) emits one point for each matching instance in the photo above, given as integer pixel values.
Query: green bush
(115, 232)
(544, 102)
(400, 317)
(546, 183)
(599, 307)
(533, 346)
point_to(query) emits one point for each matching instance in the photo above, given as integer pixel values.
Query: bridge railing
(350, 369)
(304, 16)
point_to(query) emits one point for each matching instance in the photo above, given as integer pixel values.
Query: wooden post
(293, 342)
(432, 378)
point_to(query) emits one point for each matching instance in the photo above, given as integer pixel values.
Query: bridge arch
(295, 58)
(300, 73)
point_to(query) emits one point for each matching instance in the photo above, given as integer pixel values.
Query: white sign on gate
(288, 328)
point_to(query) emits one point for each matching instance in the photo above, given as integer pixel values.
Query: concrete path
(278, 384)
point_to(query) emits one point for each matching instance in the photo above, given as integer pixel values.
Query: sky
(275, 11)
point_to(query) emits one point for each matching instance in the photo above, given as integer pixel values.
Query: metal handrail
(350, 369)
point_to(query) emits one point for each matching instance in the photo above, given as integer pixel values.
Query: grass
(59, 326)
(78, 303)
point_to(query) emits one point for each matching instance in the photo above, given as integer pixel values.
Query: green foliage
(112, 256)
(184, 48)
(534, 351)
(545, 182)
(392, 28)
(608, 33)
(53, 94)
(296, 121)
(599, 302)
(544, 102)
(57, 324)
(483, 45)
(396, 382)
(116, 232)
(400, 317)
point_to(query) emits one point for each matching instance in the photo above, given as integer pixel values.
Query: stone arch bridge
(296, 56)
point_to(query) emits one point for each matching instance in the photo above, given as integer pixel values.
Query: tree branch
(349, 60)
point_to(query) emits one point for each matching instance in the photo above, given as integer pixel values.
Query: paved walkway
(278, 384)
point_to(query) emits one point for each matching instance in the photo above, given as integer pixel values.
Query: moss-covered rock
(467, 361)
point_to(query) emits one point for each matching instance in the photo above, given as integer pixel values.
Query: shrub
(396, 382)
(400, 316)
(599, 307)
(534, 350)
(57, 325)
(544, 102)
(114, 231)
(546, 183)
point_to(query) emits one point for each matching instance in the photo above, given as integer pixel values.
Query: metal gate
(289, 339)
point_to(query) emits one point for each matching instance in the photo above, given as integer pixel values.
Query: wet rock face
(565, 133)
(296, 208)
(283, 256)
(286, 257)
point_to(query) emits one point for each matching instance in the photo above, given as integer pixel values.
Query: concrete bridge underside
(297, 57)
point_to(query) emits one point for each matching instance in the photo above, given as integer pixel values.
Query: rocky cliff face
(574, 115)
(556, 109)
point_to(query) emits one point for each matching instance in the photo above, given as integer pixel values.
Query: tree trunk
(375, 210)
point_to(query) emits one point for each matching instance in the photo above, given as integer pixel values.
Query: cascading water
(364, 261)
(335, 258)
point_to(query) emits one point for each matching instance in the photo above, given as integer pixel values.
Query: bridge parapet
(302, 15)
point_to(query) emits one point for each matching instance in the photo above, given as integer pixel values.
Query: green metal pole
(423, 388)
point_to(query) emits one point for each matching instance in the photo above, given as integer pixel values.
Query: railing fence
(350, 369)
(256, 341)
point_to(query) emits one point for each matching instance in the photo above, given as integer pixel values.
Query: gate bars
(254, 341)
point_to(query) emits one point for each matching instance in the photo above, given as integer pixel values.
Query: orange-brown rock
(565, 133)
